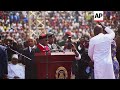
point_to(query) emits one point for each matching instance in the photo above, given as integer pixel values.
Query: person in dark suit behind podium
(52, 43)
(30, 66)
(11, 43)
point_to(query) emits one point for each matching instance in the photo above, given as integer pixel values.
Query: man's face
(43, 41)
(69, 38)
(14, 61)
(31, 42)
(51, 39)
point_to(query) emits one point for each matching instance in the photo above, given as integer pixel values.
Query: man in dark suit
(52, 43)
(80, 66)
(11, 44)
(3, 62)
(30, 66)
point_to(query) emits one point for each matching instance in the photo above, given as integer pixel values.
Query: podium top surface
(56, 53)
(62, 53)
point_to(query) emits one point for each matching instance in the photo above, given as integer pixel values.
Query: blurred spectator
(30, 68)
(3, 62)
(16, 70)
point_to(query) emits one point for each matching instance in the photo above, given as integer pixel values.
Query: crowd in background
(78, 23)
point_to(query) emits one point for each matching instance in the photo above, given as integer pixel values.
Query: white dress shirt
(16, 70)
(30, 48)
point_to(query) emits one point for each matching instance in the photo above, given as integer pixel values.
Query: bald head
(31, 41)
(98, 29)
(30, 38)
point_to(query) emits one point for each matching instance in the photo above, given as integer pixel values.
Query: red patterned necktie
(47, 49)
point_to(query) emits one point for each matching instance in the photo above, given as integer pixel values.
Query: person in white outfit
(100, 52)
(16, 70)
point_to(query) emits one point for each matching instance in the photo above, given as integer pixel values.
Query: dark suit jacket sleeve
(37, 50)
(23, 60)
(4, 61)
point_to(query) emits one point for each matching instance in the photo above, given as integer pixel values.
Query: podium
(55, 66)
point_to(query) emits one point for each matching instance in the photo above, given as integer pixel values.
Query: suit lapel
(28, 52)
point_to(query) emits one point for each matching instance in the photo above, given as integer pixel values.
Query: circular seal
(61, 73)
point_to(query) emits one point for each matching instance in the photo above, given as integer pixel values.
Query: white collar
(14, 64)
(30, 48)
(41, 45)
(99, 34)
(49, 45)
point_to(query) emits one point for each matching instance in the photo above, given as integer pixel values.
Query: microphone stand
(19, 53)
(46, 64)
(46, 51)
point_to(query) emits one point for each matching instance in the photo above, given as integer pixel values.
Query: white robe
(16, 70)
(100, 53)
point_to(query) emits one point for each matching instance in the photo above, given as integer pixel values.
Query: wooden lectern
(55, 66)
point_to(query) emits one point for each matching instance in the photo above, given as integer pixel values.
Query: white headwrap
(15, 56)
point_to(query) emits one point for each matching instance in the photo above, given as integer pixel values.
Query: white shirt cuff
(78, 58)
(108, 30)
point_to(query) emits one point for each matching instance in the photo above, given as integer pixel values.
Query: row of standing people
(43, 46)
(32, 48)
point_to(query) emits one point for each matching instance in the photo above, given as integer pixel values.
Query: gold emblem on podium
(61, 73)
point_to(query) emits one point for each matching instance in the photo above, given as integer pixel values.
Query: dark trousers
(92, 74)
(79, 69)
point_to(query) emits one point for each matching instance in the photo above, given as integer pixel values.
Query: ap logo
(98, 16)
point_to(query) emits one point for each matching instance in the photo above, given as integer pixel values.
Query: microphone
(56, 50)
(60, 49)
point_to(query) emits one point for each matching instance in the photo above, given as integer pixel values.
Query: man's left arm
(5, 63)
(77, 55)
(111, 33)
(91, 50)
